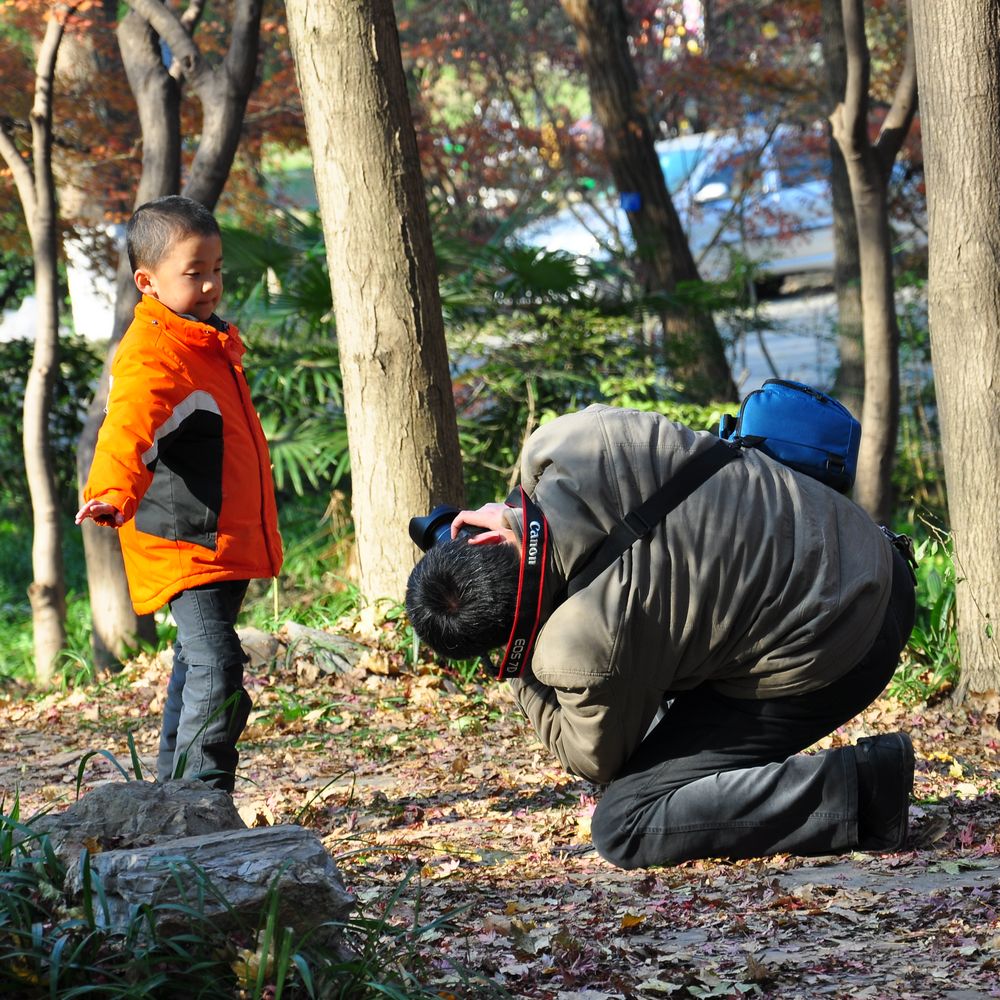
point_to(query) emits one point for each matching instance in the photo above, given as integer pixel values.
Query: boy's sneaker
(885, 780)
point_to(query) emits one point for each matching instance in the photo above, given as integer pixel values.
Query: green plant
(930, 664)
(297, 389)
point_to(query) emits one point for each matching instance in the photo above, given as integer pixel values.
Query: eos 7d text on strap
(534, 553)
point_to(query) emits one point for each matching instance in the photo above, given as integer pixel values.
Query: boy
(182, 468)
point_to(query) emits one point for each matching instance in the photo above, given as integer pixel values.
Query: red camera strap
(534, 554)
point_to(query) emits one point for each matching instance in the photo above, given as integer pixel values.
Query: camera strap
(534, 553)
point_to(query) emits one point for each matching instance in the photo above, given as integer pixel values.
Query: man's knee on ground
(612, 833)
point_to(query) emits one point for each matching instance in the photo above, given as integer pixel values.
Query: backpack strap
(647, 515)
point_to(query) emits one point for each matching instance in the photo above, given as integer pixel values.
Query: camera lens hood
(434, 527)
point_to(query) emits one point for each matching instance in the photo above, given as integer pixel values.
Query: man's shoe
(885, 780)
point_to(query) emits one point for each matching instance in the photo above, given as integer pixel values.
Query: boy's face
(188, 279)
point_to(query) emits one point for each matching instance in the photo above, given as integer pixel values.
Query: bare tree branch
(244, 44)
(41, 109)
(187, 57)
(24, 180)
(849, 117)
(904, 105)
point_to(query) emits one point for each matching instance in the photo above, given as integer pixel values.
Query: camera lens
(435, 527)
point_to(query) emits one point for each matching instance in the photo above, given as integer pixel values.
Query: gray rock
(333, 654)
(262, 647)
(232, 875)
(137, 814)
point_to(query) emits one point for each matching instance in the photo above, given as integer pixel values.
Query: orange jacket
(182, 455)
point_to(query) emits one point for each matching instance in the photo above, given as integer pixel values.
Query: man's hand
(102, 513)
(489, 516)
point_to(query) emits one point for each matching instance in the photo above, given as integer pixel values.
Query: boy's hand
(102, 513)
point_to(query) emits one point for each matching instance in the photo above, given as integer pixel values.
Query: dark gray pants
(724, 777)
(207, 706)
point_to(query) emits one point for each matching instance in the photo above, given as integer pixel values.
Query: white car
(762, 194)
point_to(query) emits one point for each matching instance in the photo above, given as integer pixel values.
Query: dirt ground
(440, 790)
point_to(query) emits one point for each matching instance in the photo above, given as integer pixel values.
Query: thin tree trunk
(868, 168)
(693, 347)
(849, 383)
(36, 188)
(957, 43)
(397, 389)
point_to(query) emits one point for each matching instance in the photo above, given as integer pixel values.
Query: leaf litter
(412, 778)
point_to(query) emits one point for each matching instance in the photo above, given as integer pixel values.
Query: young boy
(182, 468)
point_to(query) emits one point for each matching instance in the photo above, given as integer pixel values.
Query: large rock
(333, 654)
(243, 869)
(136, 814)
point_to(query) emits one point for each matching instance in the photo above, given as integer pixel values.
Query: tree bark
(693, 347)
(868, 168)
(957, 42)
(849, 383)
(37, 191)
(400, 411)
(222, 89)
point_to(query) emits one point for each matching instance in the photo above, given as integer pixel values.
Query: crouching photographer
(684, 652)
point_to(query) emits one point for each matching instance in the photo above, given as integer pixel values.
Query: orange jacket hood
(182, 455)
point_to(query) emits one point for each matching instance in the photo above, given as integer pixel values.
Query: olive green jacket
(763, 582)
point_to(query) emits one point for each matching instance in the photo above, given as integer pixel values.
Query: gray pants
(207, 707)
(724, 777)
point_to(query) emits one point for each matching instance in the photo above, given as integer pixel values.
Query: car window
(734, 174)
(677, 165)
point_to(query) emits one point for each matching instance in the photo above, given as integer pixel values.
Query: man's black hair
(461, 598)
(158, 224)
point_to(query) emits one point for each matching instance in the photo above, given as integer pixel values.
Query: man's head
(461, 598)
(175, 251)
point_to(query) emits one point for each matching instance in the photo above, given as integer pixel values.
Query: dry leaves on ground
(414, 780)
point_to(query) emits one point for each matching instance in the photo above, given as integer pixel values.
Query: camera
(435, 527)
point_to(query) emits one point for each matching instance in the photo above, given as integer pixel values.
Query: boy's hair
(461, 598)
(157, 225)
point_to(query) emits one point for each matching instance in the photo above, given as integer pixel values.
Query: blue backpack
(800, 427)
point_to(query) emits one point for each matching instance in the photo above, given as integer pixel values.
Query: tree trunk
(868, 168)
(222, 90)
(957, 42)
(48, 588)
(849, 383)
(693, 347)
(397, 389)
(36, 188)
(880, 409)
